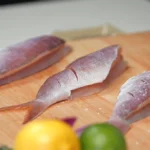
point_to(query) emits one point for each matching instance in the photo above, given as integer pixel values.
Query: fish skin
(59, 87)
(30, 56)
(100, 60)
(134, 95)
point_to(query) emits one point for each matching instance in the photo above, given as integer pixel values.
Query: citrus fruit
(46, 135)
(102, 137)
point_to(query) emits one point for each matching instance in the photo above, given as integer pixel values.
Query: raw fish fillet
(87, 73)
(31, 56)
(133, 101)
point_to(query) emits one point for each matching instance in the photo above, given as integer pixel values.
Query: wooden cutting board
(95, 108)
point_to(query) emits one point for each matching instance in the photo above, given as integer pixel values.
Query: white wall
(19, 22)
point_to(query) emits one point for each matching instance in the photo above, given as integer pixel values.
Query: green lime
(102, 136)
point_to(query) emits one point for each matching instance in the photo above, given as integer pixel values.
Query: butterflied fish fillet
(31, 56)
(86, 74)
(133, 101)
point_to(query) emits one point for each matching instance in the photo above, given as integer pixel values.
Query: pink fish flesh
(89, 71)
(31, 56)
(133, 101)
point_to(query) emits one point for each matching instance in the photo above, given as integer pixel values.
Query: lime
(102, 137)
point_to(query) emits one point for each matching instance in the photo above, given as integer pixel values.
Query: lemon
(46, 135)
(102, 137)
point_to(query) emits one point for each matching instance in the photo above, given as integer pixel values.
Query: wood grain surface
(90, 109)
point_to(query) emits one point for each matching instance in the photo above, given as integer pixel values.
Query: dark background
(8, 2)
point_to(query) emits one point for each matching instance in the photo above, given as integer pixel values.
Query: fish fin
(34, 110)
(120, 123)
(16, 107)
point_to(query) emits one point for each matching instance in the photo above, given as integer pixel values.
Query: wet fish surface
(133, 101)
(85, 76)
(29, 57)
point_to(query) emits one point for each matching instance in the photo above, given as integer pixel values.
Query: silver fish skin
(29, 57)
(134, 96)
(83, 72)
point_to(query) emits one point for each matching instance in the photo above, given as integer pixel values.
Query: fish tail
(120, 123)
(35, 109)
(16, 107)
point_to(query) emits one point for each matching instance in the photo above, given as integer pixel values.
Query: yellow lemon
(46, 135)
